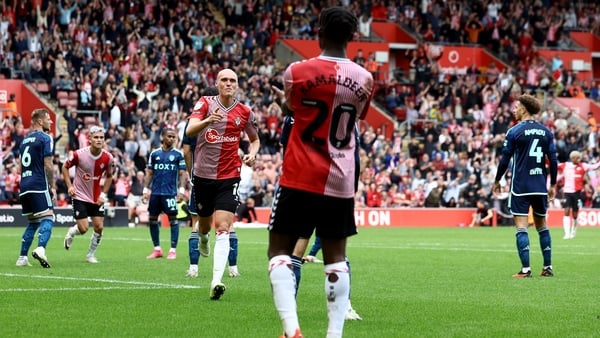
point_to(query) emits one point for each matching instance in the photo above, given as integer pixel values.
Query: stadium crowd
(143, 65)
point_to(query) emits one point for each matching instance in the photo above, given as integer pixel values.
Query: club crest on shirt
(171, 158)
(238, 121)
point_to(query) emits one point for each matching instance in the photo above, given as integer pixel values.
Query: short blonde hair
(574, 154)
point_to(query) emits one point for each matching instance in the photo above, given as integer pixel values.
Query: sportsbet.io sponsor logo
(62, 219)
(4, 218)
(213, 136)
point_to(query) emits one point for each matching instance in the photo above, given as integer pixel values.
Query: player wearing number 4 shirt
(326, 95)
(88, 190)
(529, 144)
(573, 174)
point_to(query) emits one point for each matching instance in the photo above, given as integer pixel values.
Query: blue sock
(233, 249)
(27, 238)
(45, 232)
(297, 268)
(194, 252)
(155, 232)
(523, 246)
(546, 245)
(174, 232)
(315, 247)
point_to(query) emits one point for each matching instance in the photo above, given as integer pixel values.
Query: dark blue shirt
(529, 144)
(36, 146)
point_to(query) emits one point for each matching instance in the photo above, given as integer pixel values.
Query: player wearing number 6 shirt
(529, 144)
(37, 188)
(326, 95)
(573, 173)
(88, 190)
(219, 122)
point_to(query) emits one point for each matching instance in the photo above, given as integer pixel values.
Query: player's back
(533, 143)
(327, 96)
(34, 148)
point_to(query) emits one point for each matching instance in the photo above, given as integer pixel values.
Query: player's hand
(72, 191)
(249, 160)
(551, 193)
(101, 199)
(496, 188)
(216, 116)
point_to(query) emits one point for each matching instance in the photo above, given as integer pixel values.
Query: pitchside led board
(11, 217)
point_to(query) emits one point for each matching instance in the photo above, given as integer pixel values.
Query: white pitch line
(83, 289)
(100, 280)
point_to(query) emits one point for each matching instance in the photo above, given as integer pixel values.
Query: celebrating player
(326, 95)
(88, 192)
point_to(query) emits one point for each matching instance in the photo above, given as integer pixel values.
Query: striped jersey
(165, 166)
(34, 148)
(327, 96)
(574, 175)
(89, 171)
(529, 144)
(216, 153)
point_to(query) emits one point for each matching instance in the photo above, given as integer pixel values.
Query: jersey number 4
(536, 151)
(336, 119)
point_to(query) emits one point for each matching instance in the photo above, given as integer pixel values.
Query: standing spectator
(531, 143)
(218, 121)
(121, 188)
(321, 186)
(88, 193)
(164, 174)
(38, 188)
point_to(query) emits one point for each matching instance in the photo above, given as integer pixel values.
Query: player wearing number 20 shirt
(327, 96)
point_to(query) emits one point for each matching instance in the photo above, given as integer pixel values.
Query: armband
(145, 191)
(103, 196)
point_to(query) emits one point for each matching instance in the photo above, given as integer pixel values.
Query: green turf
(406, 282)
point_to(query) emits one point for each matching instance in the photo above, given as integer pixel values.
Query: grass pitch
(406, 282)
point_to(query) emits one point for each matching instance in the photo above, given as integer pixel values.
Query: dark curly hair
(530, 103)
(338, 24)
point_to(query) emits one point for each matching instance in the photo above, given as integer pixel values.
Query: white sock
(172, 250)
(94, 242)
(157, 248)
(337, 291)
(567, 225)
(193, 267)
(220, 256)
(283, 284)
(74, 230)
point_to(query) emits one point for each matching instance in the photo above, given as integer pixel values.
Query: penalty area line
(133, 284)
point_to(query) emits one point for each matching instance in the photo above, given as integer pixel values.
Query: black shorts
(162, 203)
(572, 200)
(298, 213)
(211, 195)
(84, 209)
(35, 203)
